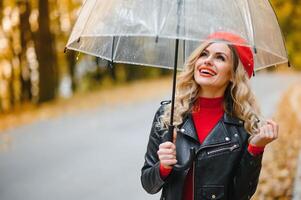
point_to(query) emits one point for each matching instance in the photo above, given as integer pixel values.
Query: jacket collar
(219, 134)
(230, 119)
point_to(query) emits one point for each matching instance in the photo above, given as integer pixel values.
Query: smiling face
(213, 69)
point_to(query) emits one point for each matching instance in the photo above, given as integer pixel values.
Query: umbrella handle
(192, 154)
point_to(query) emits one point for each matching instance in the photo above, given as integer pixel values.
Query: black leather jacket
(223, 168)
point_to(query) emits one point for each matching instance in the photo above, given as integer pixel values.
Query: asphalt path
(97, 154)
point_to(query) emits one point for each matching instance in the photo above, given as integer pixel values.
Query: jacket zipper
(211, 146)
(231, 148)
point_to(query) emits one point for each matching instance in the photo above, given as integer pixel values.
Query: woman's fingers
(275, 127)
(267, 133)
(167, 154)
(169, 162)
(167, 145)
(271, 129)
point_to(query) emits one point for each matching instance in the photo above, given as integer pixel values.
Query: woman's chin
(205, 80)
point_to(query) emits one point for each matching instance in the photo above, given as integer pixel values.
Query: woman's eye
(220, 58)
(203, 54)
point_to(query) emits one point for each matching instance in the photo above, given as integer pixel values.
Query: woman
(216, 113)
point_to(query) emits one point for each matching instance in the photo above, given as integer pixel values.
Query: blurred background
(46, 93)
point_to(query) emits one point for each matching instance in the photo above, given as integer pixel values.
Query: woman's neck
(211, 92)
(209, 103)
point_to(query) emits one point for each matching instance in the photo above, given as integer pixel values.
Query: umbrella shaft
(174, 82)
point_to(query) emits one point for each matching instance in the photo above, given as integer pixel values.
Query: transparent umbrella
(144, 32)
(163, 33)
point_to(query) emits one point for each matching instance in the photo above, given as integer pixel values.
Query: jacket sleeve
(150, 172)
(246, 175)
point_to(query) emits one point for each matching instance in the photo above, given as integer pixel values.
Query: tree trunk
(71, 55)
(1, 16)
(7, 97)
(1, 10)
(45, 47)
(25, 37)
(71, 59)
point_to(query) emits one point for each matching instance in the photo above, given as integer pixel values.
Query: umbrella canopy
(143, 32)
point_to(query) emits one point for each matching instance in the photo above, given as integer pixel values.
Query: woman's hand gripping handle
(167, 153)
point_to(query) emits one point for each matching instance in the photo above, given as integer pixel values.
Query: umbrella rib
(69, 42)
(271, 52)
(252, 26)
(266, 66)
(280, 28)
(242, 18)
(80, 11)
(184, 30)
(87, 19)
(113, 52)
(116, 61)
(164, 21)
(158, 21)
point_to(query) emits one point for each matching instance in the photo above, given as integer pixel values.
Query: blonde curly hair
(239, 101)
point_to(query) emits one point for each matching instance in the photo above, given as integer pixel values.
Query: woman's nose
(208, 61)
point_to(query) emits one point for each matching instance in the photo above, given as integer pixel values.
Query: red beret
(244, 52)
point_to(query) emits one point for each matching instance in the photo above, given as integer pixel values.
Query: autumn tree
(45, 46)
(26, 37)
(289, 15)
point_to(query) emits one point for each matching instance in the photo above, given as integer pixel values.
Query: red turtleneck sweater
(206, 113)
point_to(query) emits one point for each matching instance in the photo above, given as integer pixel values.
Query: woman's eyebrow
(219, 53)
(222, 53)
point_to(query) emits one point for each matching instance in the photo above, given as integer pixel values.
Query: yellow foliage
(284, 11)
(289, 15)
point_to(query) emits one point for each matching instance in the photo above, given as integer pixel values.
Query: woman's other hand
(266, 134)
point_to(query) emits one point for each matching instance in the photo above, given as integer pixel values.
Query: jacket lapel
(188, 129)
(229, 119)
(219, 134)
